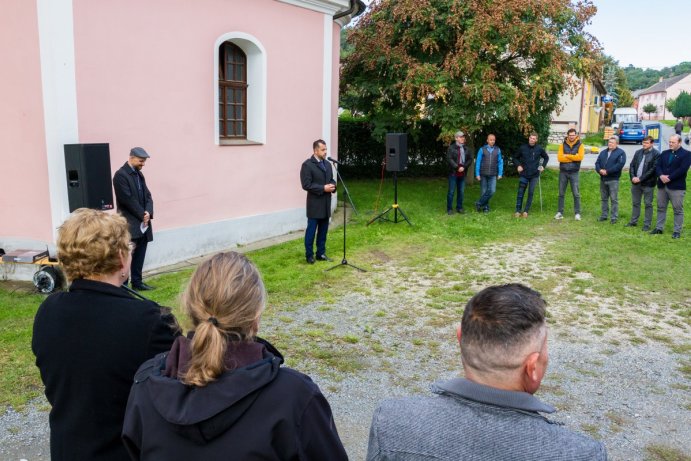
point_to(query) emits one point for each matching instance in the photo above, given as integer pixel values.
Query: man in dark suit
(317, 179)
(134, 202)
(671, 170)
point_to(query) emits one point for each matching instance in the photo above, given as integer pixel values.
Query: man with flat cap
(134, 202)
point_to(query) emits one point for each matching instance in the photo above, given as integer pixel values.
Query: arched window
(232, 92)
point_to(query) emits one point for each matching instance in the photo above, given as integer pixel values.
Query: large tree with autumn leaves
(477, 65)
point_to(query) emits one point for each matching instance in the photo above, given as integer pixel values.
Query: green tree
(682, 105)
(475, 64)
(650, 108)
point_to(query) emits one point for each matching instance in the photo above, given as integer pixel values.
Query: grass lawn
(615, 257)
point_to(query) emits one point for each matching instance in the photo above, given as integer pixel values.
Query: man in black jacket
(134, 202)
(527, 159)
(459, 159)
(642, 174)
(316, 177)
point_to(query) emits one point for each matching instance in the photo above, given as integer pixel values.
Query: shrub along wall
(362, 153)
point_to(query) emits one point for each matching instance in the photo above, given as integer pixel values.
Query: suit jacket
(676, 165)
(128, 203)
(88, 344)
(648, 176)
(467, 420)
(313, 180)
(613, 165)
(452, 159)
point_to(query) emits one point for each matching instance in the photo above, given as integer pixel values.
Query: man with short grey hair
(671, 170)
(608, 165)
(490, 414)
(459, 158)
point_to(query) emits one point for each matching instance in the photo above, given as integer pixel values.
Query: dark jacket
(452, 159)
(613, 165)
(313, 180)
(676, 166)
(648, 177)
(129, 204)
(489, 163)
(529, 157)
(258, 411)
(88, 344)
(570, 155)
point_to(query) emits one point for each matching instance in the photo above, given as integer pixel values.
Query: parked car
(632, 132)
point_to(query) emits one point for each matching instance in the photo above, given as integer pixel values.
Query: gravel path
(613, 371)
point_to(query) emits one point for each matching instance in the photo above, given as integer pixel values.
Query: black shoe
(142, 287)
(323, 258)
(676, 235)
(631, 224)
(602, 218)
(614, 221)
(461, 211)
(645, 228)
(449, 212)
(310, 259)
(656, 231)
(477, 207)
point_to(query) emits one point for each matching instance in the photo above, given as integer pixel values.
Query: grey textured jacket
(470, 421)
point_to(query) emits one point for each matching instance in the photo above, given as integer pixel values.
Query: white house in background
(660, 93)
(226, 95)
(582, 111)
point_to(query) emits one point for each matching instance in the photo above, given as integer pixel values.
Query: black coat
(613, 165)
(313, 180)
(529, 157)
(259, 411)
(128, 202)
(648, 177)
(88, 344)
(452, 159)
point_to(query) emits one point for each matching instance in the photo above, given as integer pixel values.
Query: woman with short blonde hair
(90, 340)
(221, 393)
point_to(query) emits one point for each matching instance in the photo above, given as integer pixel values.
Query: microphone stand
(344, 261)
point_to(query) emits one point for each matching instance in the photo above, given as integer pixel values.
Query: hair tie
(213, 321)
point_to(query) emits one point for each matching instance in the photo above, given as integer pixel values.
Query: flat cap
(138, 152)
(459, 134)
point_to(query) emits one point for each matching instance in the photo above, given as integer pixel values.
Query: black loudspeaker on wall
(396, 151)
(88, 176)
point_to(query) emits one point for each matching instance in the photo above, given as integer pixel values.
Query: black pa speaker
(89, 183)
(396, 151)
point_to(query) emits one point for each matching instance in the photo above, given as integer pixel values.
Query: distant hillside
(638, 78)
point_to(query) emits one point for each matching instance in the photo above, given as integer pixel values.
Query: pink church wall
(24, 199)
(335, 72)
(144, 73)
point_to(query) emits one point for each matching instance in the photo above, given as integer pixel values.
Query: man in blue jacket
(488, 168)
(608, 165)
(671, 170)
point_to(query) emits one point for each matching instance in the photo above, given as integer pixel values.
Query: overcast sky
(644, 33)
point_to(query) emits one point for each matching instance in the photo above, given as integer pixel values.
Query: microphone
(333, 160)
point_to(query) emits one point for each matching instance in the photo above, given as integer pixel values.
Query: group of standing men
(648, 168)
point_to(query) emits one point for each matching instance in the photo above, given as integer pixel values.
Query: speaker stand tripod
(346, 194)
(395, 207)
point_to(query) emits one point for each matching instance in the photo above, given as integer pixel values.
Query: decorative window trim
(256, 88)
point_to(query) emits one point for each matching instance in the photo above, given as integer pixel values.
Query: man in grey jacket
(491, 414)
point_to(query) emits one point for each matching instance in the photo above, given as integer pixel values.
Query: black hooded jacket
(259, 411)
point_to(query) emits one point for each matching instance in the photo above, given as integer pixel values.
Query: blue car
(632, 132)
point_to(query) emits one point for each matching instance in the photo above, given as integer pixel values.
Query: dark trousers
(318, 227)
(524, 183)
(457, 184)
(664, 196)
(646, 192)
(138, 256)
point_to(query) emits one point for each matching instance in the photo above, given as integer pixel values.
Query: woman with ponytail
(221, 392)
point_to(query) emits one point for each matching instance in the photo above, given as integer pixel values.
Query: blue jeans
(524, 183)
(488, 186)
(456, 183)
(319, 227)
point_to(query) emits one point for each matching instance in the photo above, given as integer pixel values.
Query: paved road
(589, 159)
